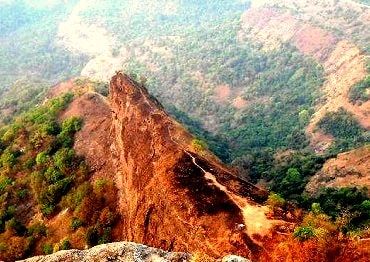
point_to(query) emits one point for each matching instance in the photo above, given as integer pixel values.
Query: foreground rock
(122, 251)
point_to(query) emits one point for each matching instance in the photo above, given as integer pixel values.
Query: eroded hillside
(274, 24)
(133, 174)
(350, 169)
(158, 166)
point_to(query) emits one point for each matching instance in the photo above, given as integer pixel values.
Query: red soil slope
(169, 194)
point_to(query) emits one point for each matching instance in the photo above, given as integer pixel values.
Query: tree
(63, 158)
(292, 183)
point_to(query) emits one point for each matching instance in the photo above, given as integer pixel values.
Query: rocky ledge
(124, 251)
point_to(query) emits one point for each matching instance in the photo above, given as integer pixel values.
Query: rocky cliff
(171, 194)
(122, 251)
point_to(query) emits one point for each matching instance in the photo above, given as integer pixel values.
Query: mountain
(238, 127)
(217, 63)
(336, 45)
(151, 149)
(164, 184)
(168, 190)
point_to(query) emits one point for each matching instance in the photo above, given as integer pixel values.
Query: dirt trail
(254, 216)
(255, 219)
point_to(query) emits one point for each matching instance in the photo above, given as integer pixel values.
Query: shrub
(49, 127)
(57, 104)
(65, 140)
(100, 184)
(340, 124)
(47, 209)
(65, 244)
(76, 223)
(17, 226)
(47, 249)
(7, 159)
(42, 158)
(53, 175)
(275, 200)
(303, 233)
(2, 246)
(50, 196)
(92, 236)
(10, 133)
(74, 198)
(22, 193)
(316, 208)
(106, 236)
(29, 164)
(292, 183)
(63, 158)
(4, 182)
(345, 128)
(71, 125)
(365, 207)
(334, 201)
(199, 145)
(359, 91)
(37, 230)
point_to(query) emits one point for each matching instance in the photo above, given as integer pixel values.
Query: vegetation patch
(346, 130)
(38, 166)
(361, 91)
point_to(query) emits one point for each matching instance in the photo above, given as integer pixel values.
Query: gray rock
(232, 258)
(123, 251)
(120, 251)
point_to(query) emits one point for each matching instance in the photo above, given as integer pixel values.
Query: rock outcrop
(170, 195)
(124, 251)
(120, 251)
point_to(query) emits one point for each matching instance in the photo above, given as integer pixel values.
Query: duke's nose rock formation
(171, 196)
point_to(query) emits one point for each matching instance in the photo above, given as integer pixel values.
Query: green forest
(39, 166)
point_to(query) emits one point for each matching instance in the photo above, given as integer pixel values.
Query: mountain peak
(173, 196)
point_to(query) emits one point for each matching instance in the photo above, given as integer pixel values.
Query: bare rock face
(170, 197)
(94, 140)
